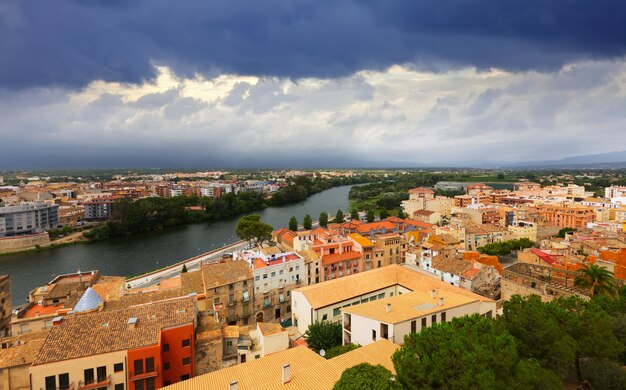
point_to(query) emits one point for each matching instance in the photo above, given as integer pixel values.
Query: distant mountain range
(602, 160)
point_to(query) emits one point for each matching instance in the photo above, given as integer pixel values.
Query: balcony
(144, 374)
(94, 383)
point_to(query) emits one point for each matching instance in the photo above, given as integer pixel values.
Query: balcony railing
(144, 374)
(95, 383)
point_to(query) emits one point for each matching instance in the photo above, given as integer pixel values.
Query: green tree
(251, 228)
(340, 350)
(383, 213)
(307, 223)
(466, 353)
(354, 215)
(604, 374)
(367, 376)
(184, 268)
(324, 219)
(293, 224)
(595, 279)
(402, 214)
(563, 231)
(323, 335)
(339, 218)
(370, 216)
(553, 347)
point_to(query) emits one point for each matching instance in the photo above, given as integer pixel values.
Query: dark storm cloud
(70, 43)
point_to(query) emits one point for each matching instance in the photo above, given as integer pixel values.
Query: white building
(393, 318)
(325, 301)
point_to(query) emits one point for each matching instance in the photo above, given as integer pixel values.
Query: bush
(604, 374)
(340, 349)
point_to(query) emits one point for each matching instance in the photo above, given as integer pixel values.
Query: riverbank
(147, 251)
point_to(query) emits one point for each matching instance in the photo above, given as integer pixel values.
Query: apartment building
(478, 189)
(229, 290)
(566, 215)
(5, 305)
(275, 275)
(142, 347)
(99, 209)
(28, 218)
(477, 236)
(523, 229)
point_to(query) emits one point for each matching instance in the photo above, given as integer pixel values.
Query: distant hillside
(608, 160)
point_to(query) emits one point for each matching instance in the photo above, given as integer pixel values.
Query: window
(273, 274)
(119, 386)
(281, 298)
(139, 384)
(433, 319)
(167, 383)
(324, 317)
(374, 334)
(229, 343)
(281, 272)
(216, 300)
(166, 347)
(424, 322)
(231, 299)
(264, 276)
(336, 312)
(89, 376)
(184, 377)
(217, 290)
(64, 381)
(102, 373)
(256, 278)
(246, 296)
(51, 382)
(245, 283)
(166, 366)
(137, 365)
(117, 367)
(488, 314)
(186, 343)
(150, 383)
(413, 326)
(150, 364)
(231, 287)
(186, 361)
(381, 296)
(443, 316)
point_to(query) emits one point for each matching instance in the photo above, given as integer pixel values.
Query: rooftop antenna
(80, 276)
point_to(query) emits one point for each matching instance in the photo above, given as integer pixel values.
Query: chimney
(388, 307)
(56, 320)
(441, 301)
(286, 373)
(234, 385)
(433, 293)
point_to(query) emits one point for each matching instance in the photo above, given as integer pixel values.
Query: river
(137, 254)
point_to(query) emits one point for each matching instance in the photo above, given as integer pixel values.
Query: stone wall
(10, 244)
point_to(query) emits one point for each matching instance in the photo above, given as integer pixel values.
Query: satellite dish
(322, 353)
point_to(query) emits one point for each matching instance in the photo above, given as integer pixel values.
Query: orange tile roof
(40, 310)
(366, 227)
(364, 242)
(338, 257)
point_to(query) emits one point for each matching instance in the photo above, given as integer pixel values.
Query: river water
(128, 256)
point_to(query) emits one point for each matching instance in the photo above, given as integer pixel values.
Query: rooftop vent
(234, 385)
(433, 293)
(441, 302)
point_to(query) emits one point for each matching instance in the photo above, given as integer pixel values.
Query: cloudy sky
(201, 83)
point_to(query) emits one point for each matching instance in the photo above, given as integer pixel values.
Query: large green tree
(293, 224)
(323, 219)
(383, 213)
(541, 331)
(323, 335)
(367, 376)
(354, 215)
(339, 218)
(596, 280)
(370, 216)
(251, 228)
(466, 353)
(307, 223)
